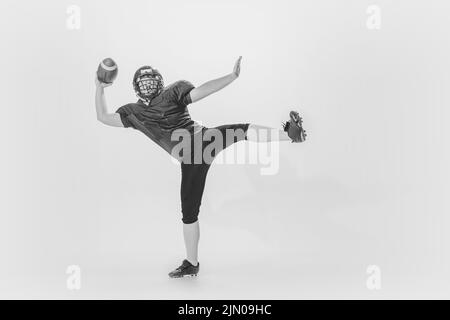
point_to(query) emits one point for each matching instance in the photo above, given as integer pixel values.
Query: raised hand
(237, 67)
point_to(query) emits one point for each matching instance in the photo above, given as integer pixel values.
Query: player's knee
(190, 213)
(190, 219)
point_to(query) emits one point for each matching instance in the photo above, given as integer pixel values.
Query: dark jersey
(165, 113)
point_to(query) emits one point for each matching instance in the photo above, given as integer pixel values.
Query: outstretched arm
(110, 119)
(217, 84)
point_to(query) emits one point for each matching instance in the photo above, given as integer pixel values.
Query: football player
(161, 112)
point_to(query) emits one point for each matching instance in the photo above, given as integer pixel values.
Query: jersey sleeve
(180, 92)
(124, 112)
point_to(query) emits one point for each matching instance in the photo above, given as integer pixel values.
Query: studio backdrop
(359, 210)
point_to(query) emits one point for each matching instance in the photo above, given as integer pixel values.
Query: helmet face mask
(147, 83)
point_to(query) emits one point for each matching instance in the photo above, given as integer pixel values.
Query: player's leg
(258, 133)
(191, 234)
(292, 131)
(193, 179)
(232, 133)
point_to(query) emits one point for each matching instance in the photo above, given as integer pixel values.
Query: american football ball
(107, 71)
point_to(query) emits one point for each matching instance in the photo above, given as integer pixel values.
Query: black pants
(193, 175)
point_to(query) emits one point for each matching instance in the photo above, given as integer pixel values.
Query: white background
(369, 187)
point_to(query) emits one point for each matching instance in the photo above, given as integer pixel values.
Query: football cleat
(294, 127)
(186, 269)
